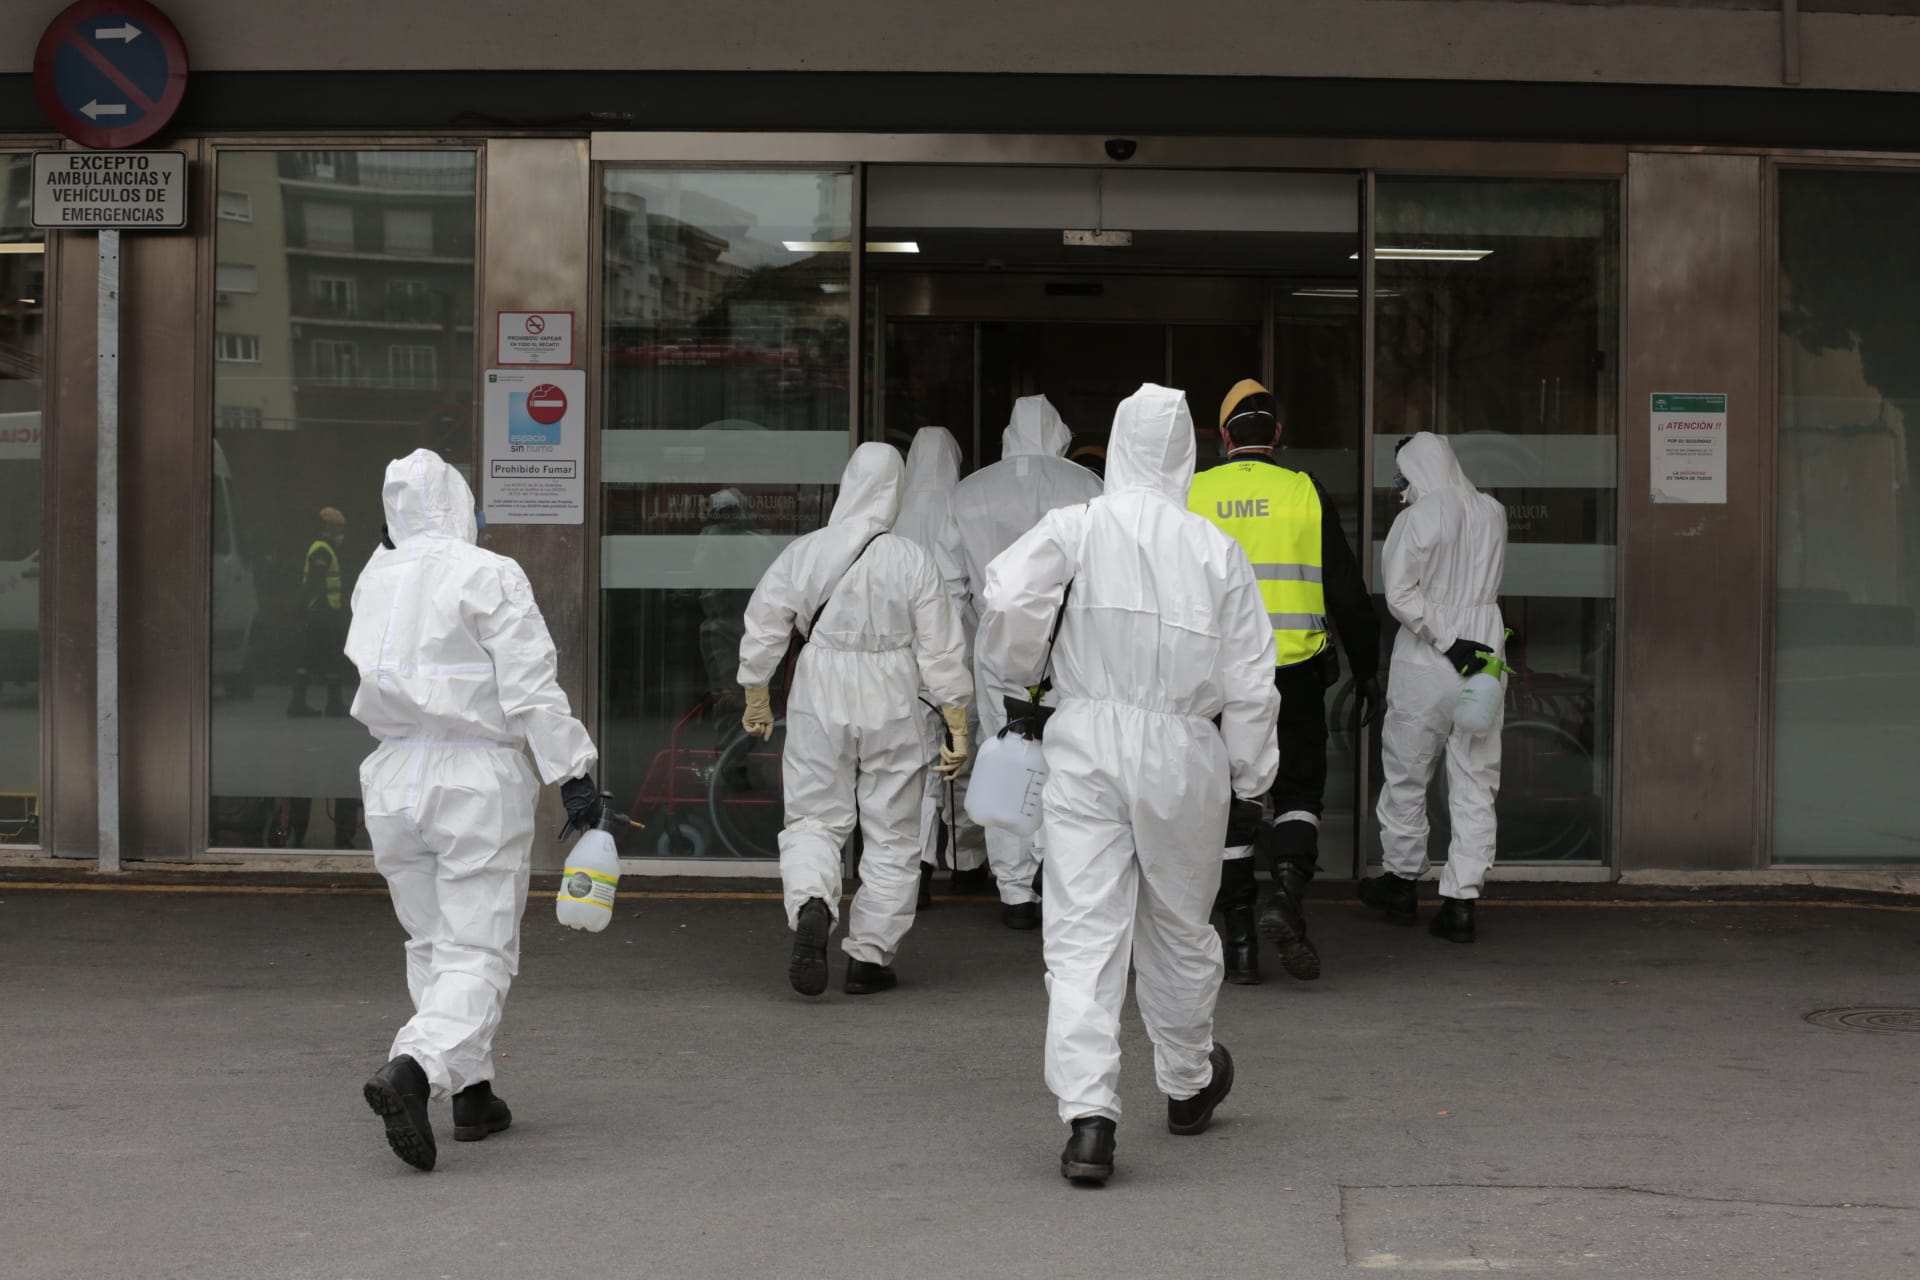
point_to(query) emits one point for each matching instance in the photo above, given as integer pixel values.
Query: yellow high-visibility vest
(322, 546)
(1274, 514)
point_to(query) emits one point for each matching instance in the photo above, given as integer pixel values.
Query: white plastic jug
(1478, 705)
(587, 886)
(1008, 778)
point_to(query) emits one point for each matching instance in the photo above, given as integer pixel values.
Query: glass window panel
(412, 365)
(328, 226)
(726, 406)
(1847, 655)
(237, 348)
(315, 391)
(1507, 346)
(23, 344)
(410, 231)
(332, 296)
(236, 277)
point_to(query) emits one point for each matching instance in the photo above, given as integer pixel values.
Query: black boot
(807, 971)
(398, 1094)
(1284, 924)
(297, 706)
(1021, 915)
(1237, 904)
(1395, 895)
(1188, 1116)
(477, 1113)
(1455, 920)
(1088, 1159)
(864, 978)
(926, 888)
(976, 880)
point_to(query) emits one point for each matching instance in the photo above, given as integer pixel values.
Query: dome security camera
(1121, 148)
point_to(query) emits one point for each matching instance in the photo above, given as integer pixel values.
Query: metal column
(106, 546)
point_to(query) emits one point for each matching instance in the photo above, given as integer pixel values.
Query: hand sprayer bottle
(592, 875)
(1010, 773)
(1482, 696)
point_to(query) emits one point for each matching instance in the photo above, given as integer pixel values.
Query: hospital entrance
(739, 369)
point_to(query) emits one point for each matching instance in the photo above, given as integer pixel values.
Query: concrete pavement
(1624, 1091)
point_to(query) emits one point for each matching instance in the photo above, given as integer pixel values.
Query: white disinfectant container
(1008, 778)
(1478, 705)
(588, 884)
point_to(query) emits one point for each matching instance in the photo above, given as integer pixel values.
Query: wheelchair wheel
(744, 796)
(1546, 809)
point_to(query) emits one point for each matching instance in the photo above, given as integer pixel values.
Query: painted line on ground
(712, 895)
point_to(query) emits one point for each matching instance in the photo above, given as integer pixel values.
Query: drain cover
(1866, 1017)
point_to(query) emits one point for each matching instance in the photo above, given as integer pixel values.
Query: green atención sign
(1689, 404)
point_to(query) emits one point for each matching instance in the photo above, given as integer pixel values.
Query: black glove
(1369, 707)
(1026, 717)
(582, 800)
(1465, 655)
(1244, 819)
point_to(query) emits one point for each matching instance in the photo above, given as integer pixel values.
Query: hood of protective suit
(1428, 463)
(870, 487)
(1035, 428)
(1152, 444)
(933, 461)
(424, 497)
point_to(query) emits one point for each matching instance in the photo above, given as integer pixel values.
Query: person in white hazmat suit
(991, 508)
(926, 517)
(1164, 630)
(879, 627)
(1441, 572)
(457, 681)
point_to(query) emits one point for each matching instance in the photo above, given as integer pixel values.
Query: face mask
(480, 519)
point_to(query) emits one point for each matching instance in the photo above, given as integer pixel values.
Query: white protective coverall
(1441, 571)
(457, 682)
(1164, 631)
(926, 517)
(857, 747)
(991, 508)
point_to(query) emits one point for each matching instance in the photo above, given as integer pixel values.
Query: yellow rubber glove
(953, 757)
(758, 718)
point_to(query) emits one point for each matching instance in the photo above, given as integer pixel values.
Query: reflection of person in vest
(323, 620)
(1287, 525)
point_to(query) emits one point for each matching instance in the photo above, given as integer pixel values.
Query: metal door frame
(50, 369)
(1363, 158)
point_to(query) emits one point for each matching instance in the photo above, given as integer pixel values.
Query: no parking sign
(110, 73)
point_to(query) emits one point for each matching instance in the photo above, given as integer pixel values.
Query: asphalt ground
(1623, 1089)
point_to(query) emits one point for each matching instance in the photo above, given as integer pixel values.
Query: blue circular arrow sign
(110, 73)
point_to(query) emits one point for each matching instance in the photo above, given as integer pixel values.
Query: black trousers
(1302, 781)
(1301, 784)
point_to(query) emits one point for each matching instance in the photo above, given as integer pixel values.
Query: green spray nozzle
(1495, 667)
